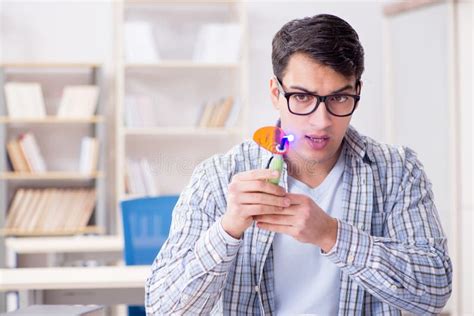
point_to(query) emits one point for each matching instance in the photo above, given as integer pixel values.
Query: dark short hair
(327, 39)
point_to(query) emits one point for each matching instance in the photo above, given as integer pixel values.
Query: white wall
(431, 111)
(465, 41)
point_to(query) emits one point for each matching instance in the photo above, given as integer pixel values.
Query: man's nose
(320, 118)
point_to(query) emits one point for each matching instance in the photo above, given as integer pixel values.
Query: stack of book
(25, 100)
(217, 113)
(25, 155)
(89, 155)
(139, 178)
(78, 101)
(50, 210)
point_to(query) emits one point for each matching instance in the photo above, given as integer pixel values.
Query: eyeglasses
(305, 103)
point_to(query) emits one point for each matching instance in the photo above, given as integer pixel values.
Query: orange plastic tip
(269, 137)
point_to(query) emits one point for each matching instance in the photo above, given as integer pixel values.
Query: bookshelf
(180, 79)
(51, 120)
(59, 139)
(171, 131)
(57, 232)
(181, 64)
(52, 175)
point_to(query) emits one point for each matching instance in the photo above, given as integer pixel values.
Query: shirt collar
(356, 144)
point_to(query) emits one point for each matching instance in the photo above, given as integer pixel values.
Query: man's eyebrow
(346, 87)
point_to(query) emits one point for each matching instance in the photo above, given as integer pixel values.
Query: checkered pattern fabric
(390, 246)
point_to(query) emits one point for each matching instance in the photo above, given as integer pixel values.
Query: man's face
(318, 136)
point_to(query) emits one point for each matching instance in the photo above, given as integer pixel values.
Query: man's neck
(311, 173)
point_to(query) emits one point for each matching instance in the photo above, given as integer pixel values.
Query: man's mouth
(317, 142)
(317, 139)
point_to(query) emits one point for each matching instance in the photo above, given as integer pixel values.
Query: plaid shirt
(390, 245)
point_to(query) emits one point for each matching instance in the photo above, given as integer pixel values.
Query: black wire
(269, 161)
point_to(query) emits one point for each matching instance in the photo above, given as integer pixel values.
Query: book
(140, 45)
(24, 100)
(17, 159)
(218, 43)
(14, 206)
(88, 208)
(50, 210)
(31, 151)
(23, 210)
(216, 113)
(140, 178)
(206, 116)
(48, 196)
(89, 155)
(148, 179)
(222, 112)
(234, 114)
(78, 101)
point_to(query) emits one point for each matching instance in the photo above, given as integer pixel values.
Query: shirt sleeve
(189, 272)
(408, 267)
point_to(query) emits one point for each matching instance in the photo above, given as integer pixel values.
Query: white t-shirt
(305, 281)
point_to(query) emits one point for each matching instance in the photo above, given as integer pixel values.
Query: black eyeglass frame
(319, 98)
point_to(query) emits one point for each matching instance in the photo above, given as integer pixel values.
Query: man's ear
(274, 93)
(359, 85)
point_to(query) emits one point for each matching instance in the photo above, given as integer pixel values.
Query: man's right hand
(250, 194)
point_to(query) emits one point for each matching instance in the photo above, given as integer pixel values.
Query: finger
(263, 198)
(257, 174)
(252, 210)
(278, 219)
(296, 198)
(282, 229)
(261, 186)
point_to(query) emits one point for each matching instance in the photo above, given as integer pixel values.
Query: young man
(352, 228)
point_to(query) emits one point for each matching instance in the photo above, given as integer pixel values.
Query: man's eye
(338, 98)
(301, 97)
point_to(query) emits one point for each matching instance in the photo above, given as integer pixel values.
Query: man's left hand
(304, 220)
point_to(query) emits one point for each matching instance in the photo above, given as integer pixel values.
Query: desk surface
(69, 244)
(115, 277)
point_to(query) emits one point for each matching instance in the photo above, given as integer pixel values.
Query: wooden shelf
(51, 120)
(48, 65)
(38, 233)
(407, 6)
(50, 175)
(130, 196)
(181, 131)
(181, 64)
(131, 2)
(65, 244)
(61, 278)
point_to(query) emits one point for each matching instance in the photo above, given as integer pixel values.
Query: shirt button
(257, 288)
(350, 259)
(393, 287)
(263, 238)
(361, 226)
